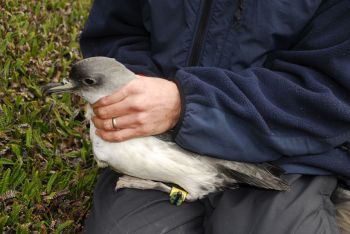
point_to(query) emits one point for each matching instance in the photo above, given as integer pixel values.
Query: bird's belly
(151, 158)
(129, 157)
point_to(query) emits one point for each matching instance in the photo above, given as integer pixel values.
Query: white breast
(154, 159)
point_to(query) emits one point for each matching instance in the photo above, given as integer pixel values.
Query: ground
(46, 168)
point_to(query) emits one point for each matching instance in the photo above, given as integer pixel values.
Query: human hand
(145, 106)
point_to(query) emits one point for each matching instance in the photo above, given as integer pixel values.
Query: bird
(157, 162)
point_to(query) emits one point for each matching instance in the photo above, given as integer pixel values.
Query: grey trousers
(306, 209)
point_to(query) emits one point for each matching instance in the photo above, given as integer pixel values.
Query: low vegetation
(46, 169)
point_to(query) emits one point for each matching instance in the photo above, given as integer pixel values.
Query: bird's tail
(262, 175)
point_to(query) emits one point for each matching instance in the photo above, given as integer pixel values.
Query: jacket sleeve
(298, 103)
(115, 29)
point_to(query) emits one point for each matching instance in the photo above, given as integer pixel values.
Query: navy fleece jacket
(259, 80)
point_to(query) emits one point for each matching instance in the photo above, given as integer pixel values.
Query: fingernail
(98, 132)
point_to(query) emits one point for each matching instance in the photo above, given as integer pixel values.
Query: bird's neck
(89, 113)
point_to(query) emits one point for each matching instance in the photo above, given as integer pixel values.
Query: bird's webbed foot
(176, 195)
(137, 183)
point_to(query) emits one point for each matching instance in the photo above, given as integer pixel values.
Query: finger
(113, 110)
(122, 122)
(110, 99)
(103, 124)
(118, 136)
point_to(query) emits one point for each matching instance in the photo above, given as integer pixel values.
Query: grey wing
(167, 136)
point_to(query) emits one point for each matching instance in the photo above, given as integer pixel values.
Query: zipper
(200, 34)
(238, 12)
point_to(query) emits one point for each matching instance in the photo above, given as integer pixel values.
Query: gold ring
(114, 123)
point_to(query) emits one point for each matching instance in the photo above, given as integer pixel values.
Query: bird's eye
(89, 81)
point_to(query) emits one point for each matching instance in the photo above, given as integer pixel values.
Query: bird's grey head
(93, 78)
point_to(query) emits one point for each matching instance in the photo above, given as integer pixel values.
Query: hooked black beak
(62, 87)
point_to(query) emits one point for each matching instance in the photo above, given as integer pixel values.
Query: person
(245, 80)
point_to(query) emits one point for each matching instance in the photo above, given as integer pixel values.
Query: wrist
(176, 110)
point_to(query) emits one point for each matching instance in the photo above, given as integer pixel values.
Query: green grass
(46, 168)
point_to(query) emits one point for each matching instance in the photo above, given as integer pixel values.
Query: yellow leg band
(177, 196)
